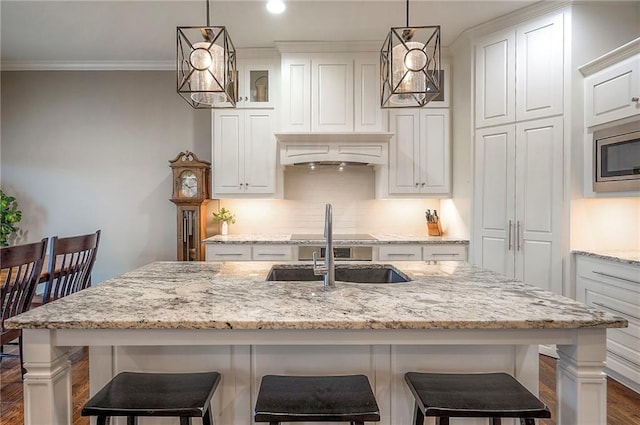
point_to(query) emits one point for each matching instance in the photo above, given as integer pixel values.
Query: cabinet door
(404, 171)
(538, 197)
(610, 94)
(494, 199)
(495, 79)
(296, 94)
(434, 151)
(332, 93)
(539, 68)
(255, 85)
(228, 134)
(259, 152)
(368, 116)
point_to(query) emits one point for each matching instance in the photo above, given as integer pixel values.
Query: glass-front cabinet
(255, 83)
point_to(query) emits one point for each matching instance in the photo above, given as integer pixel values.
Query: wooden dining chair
(21, 267)
(70, 264)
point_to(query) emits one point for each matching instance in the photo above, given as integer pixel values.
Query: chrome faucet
(329, 268)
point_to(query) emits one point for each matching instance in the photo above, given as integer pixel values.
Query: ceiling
(135, 31)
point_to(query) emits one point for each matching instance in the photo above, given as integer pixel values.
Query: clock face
(188, 184)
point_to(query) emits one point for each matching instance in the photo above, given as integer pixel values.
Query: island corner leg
(581, 383)
(47, 383)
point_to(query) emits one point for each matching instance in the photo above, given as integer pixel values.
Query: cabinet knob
(246, 185)
(423, 184)
(417, 184)
(635, 99)
(241, 185)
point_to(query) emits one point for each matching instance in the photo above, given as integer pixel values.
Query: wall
(89, 150)
(351, 194)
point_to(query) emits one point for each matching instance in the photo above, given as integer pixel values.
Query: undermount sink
(378, 273)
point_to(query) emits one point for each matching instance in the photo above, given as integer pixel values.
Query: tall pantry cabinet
(518, 151)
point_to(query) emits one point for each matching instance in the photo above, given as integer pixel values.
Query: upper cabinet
(331, 92)
(613, 93)
(255, 83)
(519, 72)
(244, 153)
(419, 152)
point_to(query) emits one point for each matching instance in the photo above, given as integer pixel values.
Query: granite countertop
(631, 257)
(204, 295)
(380, 239)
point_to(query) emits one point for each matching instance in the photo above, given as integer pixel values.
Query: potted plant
(9, 216)
(224, 216)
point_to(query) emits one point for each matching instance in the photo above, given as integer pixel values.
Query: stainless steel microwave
(617, 158)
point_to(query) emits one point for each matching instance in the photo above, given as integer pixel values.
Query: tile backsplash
(351, 193)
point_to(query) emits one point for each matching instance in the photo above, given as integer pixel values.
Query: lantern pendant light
(410, 72)
(206, 66)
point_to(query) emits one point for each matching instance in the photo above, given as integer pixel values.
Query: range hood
(365, 148)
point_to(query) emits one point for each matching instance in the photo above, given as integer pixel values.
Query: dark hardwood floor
(623, 405)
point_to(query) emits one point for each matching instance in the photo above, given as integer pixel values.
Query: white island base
(244, 356)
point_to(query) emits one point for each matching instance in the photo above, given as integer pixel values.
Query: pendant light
(206, 66)
(410, 74)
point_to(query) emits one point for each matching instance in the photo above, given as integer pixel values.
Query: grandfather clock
(191, 177)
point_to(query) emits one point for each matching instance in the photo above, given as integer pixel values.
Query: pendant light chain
(208, 24)
(407, 13)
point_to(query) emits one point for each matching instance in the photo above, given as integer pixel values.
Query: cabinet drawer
(228, 253)
(272, 253)
(400, 253)
(444, 252)
(608, 272)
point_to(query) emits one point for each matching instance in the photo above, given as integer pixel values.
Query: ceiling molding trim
(514, 18)
(88, 66)
(328, 46)
(623, 52)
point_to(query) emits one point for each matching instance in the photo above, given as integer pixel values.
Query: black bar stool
(475, 395)
(133, 394)
(316, 399)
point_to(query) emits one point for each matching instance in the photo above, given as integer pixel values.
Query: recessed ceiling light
(276, 6)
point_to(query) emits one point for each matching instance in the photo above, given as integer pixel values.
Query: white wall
(83, 151)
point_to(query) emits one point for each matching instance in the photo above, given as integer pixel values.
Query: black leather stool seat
(133, 394)
(481, 395)
(316, 399)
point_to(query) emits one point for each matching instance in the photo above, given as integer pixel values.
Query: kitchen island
(451, 317)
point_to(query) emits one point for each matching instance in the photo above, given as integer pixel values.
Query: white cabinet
(444, 252)
(615, 288)
(255, 83)
(244, 152)
(520, 72)
(227, 252)
(613, 93)
(518, 201)
(337, 92)
(248, 252)
(400, 253)
(332, 93)
(419, 152)
(428, 252)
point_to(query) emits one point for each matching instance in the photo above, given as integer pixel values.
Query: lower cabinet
(615, 288)
(246, 252)
(430, 252)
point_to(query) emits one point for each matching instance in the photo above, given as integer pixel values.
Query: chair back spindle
(21, 268)
(70, 265)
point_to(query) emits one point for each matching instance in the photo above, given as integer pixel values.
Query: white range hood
(365, 148)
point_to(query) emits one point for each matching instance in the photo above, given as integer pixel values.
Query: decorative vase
(225, 228)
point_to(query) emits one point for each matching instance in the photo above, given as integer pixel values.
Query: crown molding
(328, 46)
(88, 66)
(623, 52)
